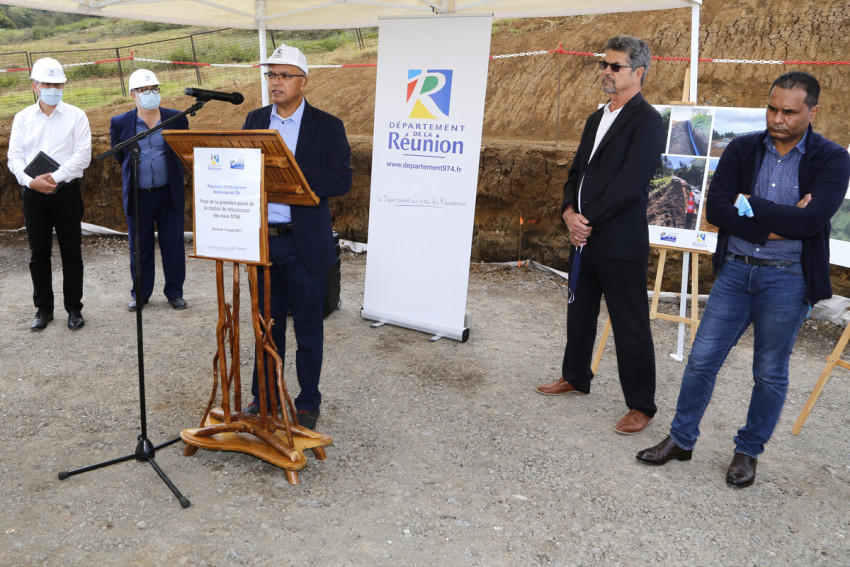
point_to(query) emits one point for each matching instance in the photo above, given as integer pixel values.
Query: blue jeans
(772, 298)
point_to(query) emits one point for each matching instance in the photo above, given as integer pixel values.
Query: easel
(281, 442)
(693, 320)
(832, 361)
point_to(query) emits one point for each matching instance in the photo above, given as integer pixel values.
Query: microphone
(205, 95)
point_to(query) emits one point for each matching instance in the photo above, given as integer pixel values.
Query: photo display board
(839, 237)
(696, 137)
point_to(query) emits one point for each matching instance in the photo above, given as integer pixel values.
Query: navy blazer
(123, 127)
(324, 156)
(616, 181)
(824, 172)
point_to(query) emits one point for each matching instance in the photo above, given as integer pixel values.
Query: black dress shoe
(178, 303)
(42, 318)
(132, 305)
(742, 471)
(254, 409)
(308, 419)
(665, 451)
(75, 320)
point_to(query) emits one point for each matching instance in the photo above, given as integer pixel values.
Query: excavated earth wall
(535, 111)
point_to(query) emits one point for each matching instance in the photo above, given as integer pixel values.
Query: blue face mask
(50, 97)
(149, 100)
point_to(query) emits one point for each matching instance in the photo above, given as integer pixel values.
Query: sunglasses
(615, 67)
(275, 76)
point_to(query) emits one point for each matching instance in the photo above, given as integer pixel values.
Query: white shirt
(65, 136)
(608, 117)
(289, 129)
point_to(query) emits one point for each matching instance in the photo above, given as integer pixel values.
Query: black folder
(40, 164)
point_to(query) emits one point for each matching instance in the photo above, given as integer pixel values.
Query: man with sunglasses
(604, 209)
(772, 197)
(301, 244)
(162, 192)
(51, 196)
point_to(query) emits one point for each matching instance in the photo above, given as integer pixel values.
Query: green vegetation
(60, 35)
(841, 223)
(19, 25)
(665, 117)
(701, 122)
(692, 173)
(43, 31)
(659, 183)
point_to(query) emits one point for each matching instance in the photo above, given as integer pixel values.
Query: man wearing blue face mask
(161, 191)
(52, 141)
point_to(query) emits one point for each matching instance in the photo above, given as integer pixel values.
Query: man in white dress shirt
(51, 197)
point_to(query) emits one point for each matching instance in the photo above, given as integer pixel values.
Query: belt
(758, 261)
(280, 229)
(154, 189)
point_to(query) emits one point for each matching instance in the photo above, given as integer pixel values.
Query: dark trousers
(62, 211)
(623, 283)
(156, 214)
(301, 293)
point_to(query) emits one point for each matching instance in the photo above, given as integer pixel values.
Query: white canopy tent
(336, 14)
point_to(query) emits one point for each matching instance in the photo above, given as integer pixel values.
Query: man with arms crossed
(604, 208)
(301, 244)
(52, 200)
(772, 197)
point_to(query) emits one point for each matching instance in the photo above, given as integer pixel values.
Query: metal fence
(215, 59)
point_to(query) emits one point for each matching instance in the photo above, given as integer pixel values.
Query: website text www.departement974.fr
(425, 166)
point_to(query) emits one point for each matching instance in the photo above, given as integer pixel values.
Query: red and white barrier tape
(559, 51)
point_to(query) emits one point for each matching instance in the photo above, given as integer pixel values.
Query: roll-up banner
(429, 112)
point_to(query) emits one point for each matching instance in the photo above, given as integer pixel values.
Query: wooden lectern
(275, 438)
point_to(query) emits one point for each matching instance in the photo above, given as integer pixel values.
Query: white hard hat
(47, 70)
(286, 55)
(142, 78)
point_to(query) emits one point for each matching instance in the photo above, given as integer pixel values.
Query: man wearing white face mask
(161, 191)
(52, 141)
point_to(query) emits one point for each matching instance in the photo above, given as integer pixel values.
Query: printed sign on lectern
(227, 204)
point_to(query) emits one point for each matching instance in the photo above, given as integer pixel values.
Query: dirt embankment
(535, 112)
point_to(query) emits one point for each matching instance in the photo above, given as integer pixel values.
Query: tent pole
(261, 26)
(694, 50)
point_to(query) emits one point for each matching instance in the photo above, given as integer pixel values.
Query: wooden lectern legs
(280, 441)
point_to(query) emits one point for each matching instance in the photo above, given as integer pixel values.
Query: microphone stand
(145, 450)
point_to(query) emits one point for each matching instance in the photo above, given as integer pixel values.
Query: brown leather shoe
(633, 422)
(558, 387)
(665, 451)
(742, 471)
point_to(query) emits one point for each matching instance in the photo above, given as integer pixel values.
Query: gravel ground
(443, 453)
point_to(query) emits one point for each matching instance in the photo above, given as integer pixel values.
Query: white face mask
(149, 100)
(50, 97)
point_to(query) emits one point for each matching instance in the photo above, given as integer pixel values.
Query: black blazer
(123, 127)
(616, 180)
(324, 156)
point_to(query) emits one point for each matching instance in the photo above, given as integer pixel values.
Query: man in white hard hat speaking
(301, 243)
(49, 147)
(162, 193)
